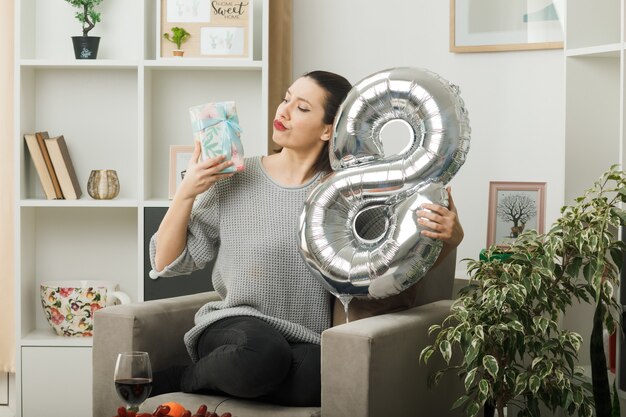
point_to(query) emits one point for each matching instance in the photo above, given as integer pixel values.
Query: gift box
(216, 127)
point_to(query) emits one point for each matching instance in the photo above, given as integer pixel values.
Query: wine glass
(133, 378)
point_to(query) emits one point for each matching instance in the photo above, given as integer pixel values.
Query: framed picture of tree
(514, 207)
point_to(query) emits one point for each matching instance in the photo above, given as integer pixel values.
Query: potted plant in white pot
(505, 322)
(86, 47)
(178, 37)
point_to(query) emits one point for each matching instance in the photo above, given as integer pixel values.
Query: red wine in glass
(133, 391)
(133, 378)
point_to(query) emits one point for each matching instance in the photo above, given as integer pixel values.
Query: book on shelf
(41, 137)
(36, 155)
(63, 167)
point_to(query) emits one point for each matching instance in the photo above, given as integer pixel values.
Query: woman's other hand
(202, 175)
(442, 223)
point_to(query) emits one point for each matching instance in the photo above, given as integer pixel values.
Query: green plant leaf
(491, 365)
(610, 325)
(578, 396)
(607, 289)
(534, 383)
(580, 371)
(535, 362)
(478, 330)
(483, 387)
(520, 384)
(437, 376)
(547, 369)
(617, 256)
(575, 339)
(426, 354)
(446, 350)
(433, 328)
(567, 400)
(472, 409)
(520, 294)
(517, 326)
(541, 323)
(460, 402)
(587, 272)
(469, 379)
(619, 213)
(472, 352)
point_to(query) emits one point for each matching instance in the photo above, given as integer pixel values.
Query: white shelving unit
(121, 111)
(595, 93)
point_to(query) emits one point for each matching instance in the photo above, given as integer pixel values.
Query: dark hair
(336, 88)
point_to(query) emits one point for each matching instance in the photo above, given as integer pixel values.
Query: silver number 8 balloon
(358, 229)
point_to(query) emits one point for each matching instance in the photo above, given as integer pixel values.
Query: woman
(262, 339)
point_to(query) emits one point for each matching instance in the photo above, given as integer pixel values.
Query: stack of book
(53, 165)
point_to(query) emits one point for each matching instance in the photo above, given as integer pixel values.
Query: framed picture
(180, 155)
(514, 207)
(218, 29)
(512, 25)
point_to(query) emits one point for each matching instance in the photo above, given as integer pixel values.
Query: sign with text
(216, 28)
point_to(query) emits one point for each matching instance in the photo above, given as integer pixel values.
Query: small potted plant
(178, 37)
(86, 47)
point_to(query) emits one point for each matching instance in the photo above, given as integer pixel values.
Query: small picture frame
(514, 207)
(180, 155)
(512, 25)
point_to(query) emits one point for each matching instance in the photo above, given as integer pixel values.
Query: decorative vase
(86, 47)
(103, 184)
(69, 305)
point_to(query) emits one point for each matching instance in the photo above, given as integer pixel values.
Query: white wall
(515, 99)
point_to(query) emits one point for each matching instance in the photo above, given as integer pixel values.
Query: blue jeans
(246, 357)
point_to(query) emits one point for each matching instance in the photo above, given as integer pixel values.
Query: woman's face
(299, 122)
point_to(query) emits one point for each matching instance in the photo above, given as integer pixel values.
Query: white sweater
(250, 223)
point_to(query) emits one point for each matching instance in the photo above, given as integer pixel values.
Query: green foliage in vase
(86, 15)
(505, 321)
(179, 36)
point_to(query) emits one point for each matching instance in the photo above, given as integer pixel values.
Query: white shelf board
(82, 202)
(156, 203)
(204, 64)
(79, 63)
(47, 337)
(602, 51)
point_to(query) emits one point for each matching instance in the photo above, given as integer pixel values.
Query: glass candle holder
(103, 184)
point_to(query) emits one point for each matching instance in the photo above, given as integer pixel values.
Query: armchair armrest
(371, 368)
(156, 327)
